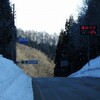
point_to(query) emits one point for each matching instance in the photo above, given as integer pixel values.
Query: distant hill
(45, 68)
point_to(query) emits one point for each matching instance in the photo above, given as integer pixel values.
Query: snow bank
(91, 71)
(14, 84)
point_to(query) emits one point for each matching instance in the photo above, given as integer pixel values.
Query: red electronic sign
(88, 29)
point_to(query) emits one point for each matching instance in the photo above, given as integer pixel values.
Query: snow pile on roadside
(14, 84)
(89, 71)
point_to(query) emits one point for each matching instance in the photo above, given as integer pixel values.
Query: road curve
(85, 88)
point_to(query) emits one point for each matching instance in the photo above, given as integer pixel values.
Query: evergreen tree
(89, 15)
(7, 31)
(92, 17)
(63, 51)
(59, 54)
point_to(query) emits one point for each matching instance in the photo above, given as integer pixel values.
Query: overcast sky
(44, 15)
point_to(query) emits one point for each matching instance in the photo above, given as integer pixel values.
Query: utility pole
(88, 50)
(13, 35)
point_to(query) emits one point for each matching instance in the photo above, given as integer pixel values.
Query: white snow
(92, 70)
(14, 83)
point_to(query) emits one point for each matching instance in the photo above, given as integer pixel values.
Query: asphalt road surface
(66, 88)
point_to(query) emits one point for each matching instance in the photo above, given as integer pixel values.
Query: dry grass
(45, 68)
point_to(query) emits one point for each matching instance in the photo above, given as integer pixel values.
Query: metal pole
(14, 36)
(13, 12)
(88, 50)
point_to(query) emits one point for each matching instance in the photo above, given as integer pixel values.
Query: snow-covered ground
(89, 71)
(14, 83)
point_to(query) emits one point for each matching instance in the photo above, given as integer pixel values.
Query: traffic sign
(32, 61)
(28, 61)
(64, 63)
(23, 40)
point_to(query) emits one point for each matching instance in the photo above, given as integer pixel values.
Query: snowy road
(66, 88)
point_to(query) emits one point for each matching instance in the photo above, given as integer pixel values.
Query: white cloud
(48, 15)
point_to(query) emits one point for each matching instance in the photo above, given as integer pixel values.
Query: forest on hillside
(75, 49)
(42, 41)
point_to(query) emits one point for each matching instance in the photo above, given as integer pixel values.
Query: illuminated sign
(88, 29)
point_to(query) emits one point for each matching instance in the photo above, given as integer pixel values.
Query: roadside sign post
(88, 50)
(24, 40)
(90, 30)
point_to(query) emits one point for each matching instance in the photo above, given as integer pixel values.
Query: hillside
(45, 68)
